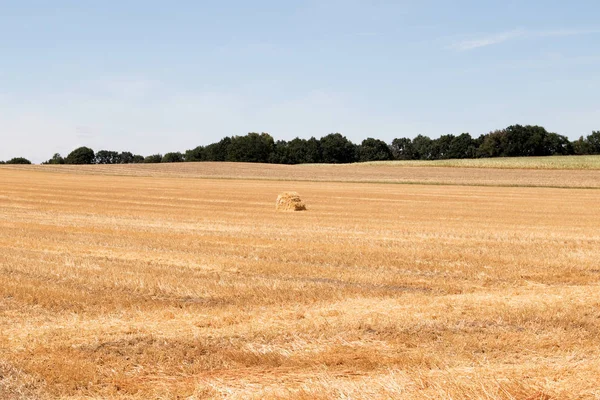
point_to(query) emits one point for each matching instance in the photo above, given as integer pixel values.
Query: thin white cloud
(565, 32)
(471, 44)
(489, 40)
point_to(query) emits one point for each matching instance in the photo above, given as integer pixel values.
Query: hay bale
(289, 201)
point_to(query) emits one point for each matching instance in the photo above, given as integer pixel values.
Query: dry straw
(289, 201)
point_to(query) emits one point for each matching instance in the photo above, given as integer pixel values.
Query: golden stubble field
(149, 287)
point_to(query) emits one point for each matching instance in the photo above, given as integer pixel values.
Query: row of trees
(85, 155)
(514, 141)
(16, 160)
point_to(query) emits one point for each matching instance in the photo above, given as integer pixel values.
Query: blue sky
(156, 76)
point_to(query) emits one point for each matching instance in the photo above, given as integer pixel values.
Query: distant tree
(374, 150)
(2, 162)
(515, 141)
(462, 146)
(107, 157)
(422, 147)
(18, 160)
(594, 142)
(477, 142)
(81, 155)
(172, 157)
(491, 144)
(523, 141)
(217, 151)
(555, 144)
(337, 149)
(137, 159)
(296, 151)
(252, 147)
(402, 149)
(281, 153)
(529, 140)
(581, 146)
(310, 150)
(440, 147)
(56, 159)
(195, 154)
(125, 157)
(153, 159)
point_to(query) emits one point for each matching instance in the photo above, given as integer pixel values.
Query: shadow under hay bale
(289, 201)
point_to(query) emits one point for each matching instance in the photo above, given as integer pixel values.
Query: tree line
(513, 141)
(16, 160)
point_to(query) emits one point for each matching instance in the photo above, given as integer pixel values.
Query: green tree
(517, 141)
(153, 159)
(440, 147)
(195, 154)
(305, 151)
(528, 140)
(253, 147)
(374, 150)
(310, 150)
(523, 141)
(281, 153)
(491, 144)
(594, 142)
(462, 146)
(81, 155)
(56, 159)
(217, 151)
(107, 157)
(402, 149)
(137, 159)
(422, 147)
(555, 144)
(172, 157)
(581, 146)
(297, 151)
(337, 149)
(18, 160)
(314, 153)
(125, 157)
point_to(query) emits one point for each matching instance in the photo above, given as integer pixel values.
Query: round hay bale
(289, 201)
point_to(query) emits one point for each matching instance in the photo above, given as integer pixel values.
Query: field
(580, 171)
(181, 281)
(554, 162)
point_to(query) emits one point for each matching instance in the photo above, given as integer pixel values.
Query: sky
(155, 76)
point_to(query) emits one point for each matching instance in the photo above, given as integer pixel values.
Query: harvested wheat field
(143, 287)
(559, 171)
